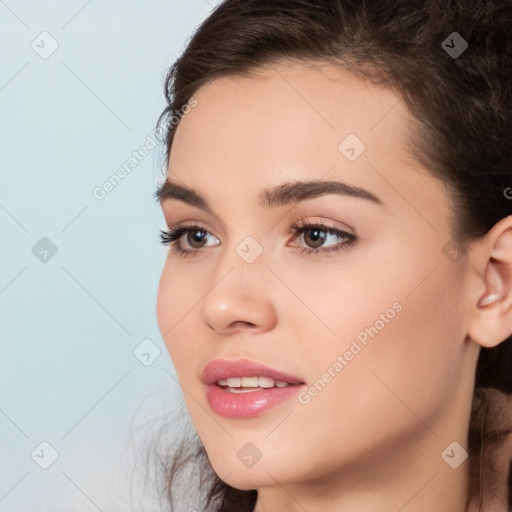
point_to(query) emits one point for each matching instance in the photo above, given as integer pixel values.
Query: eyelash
(173, 235)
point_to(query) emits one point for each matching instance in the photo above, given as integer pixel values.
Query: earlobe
(491, 321)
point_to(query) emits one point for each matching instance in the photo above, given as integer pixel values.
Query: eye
(194, 236)
(315, 235)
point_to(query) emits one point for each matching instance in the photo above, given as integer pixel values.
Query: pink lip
(249, 404)
(223, 368)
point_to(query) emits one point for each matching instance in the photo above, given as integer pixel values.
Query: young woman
(337, 298)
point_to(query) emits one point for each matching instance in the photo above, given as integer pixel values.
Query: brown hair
(463, 132)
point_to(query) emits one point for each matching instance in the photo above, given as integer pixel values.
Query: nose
(240, 298)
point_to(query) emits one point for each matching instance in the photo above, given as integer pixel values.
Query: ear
(491, 316)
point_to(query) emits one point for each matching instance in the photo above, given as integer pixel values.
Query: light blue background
(69, 326)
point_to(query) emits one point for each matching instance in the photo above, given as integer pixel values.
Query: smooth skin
(372, 438)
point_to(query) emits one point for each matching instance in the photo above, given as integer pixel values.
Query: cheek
(427, 350)
(175, 300)
(403, 343)
(400, 331)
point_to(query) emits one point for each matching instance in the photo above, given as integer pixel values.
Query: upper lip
(218, 369)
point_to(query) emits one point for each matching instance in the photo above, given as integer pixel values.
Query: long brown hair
(463, 106)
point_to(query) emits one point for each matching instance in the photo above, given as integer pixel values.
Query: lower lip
(247, 404)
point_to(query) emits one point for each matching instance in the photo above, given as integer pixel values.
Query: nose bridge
(239, 292)
(244, 244)
(246, 253)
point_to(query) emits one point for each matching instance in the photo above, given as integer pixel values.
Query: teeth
(241, 390)
(251, 382)
(266, 382)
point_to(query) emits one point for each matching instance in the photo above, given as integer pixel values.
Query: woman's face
(370, 331)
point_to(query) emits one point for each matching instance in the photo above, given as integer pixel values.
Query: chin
(247, 479)
(229, 466)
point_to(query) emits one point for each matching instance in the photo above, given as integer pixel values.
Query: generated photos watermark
(356, 346)
(100, 192)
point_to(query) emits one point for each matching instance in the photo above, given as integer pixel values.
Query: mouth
(243, 388)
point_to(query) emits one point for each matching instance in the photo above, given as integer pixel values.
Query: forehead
(293, 121)
(288, 110)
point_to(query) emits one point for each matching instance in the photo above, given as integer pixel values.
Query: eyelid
(191, 224)
(194, 226)
(324, 223)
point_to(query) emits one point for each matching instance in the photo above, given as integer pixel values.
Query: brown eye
(196, 238)
(315, 237)
(187, 240)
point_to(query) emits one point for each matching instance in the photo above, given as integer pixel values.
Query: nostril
(242, 323)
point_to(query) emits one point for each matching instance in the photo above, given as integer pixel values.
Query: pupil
(316, 237)
(197, 237)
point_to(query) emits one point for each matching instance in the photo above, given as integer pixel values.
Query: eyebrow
(279, 195)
